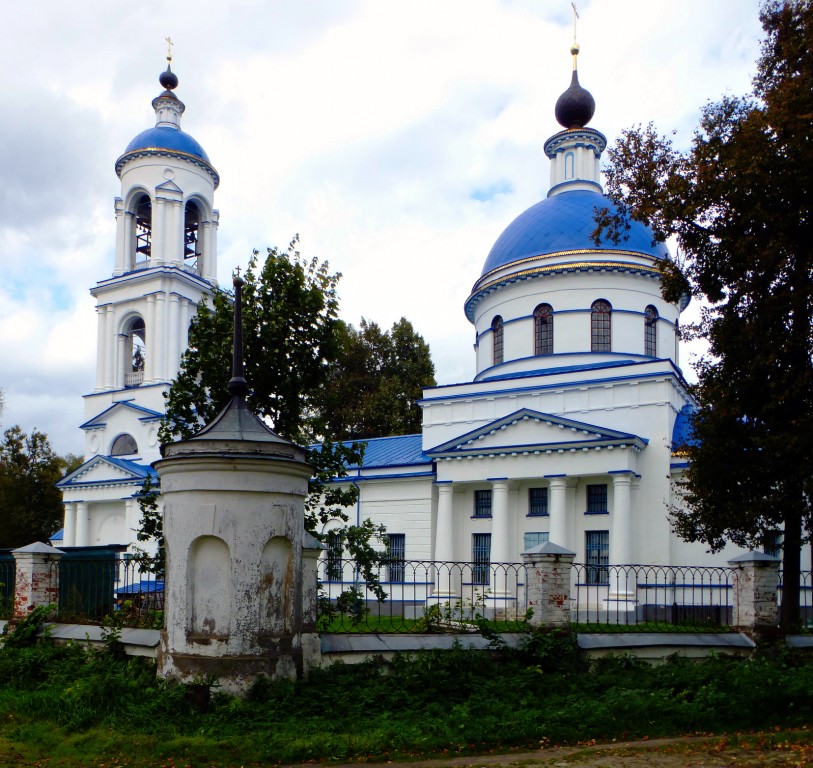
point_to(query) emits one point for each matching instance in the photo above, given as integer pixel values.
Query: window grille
(481, 558)
(496, 340)
(534, 539)
(600, 329)
(597, 556)
(651, 331)
(482, 504)
(543, 330)
(597, 499)
(537, 502)
(396, 556)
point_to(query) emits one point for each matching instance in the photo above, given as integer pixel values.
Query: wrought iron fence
(805, 597)
(7, 574)
(651, 597)
(90, 589)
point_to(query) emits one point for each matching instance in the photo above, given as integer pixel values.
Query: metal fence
(92, 588)
(805, 596)
(426, 595)
(7, 574)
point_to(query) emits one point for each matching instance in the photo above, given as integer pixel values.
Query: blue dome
(167, 138)
(564, 222)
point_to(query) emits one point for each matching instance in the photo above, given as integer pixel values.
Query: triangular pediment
(99, 421)
(106, 470)
(527, 430)
(169, 186)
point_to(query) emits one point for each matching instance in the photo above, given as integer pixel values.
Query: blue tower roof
(167, 138)
(565, 222)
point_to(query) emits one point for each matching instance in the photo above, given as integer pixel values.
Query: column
(69, 529)
(205, 248)
(108, 341)
(36, 579)
(622, 579)
(128, 249)
(558, 510)
(211, 256)
(120, 217)
(82, 524)
(501, 550)
(548, 585)
(159, 334)
(174, 336)
(149, 341)
(173, 233)
(157, 254)
(124, 364)
(755, 580)
(447, 573)
(101, 348)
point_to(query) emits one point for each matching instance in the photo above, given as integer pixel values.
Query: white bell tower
(166, 262)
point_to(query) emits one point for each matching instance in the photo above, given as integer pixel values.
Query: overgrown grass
(68, 703)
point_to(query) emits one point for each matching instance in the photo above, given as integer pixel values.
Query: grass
(82, 708)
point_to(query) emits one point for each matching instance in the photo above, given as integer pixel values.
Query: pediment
(106, 470)
(99, 421)
(527, 430)
(169, 186)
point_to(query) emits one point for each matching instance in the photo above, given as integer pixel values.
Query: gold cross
(575, 16)
(237, 270)
(170, 44)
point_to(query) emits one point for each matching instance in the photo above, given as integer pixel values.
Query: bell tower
(165, 264)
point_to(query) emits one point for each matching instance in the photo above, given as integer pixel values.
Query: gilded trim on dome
(142, 151)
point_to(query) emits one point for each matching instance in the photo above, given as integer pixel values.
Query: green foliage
(374, 385)
(26, 632)
(151, 528)
(740, 204)
(30, 504)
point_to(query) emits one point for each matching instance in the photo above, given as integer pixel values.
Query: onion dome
(576, 106)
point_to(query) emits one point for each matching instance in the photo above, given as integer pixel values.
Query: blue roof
(167, 138)
(146, 586)
(564, 222)
(682, 433)
(396, 451)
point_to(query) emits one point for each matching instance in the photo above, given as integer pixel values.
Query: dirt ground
(774, 750)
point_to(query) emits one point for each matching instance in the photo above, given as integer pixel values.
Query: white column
(82, 524)
(558, 511)
(128, 245)
(69, 530)
(159, 370)
(447, 575)
(123, 365)
(211, 256)
(501, 551)
(157, 254)
(174, 336)
(109, 342)
(120, 217)
(149, 341)
(622, 579)
(173, 232)
(101, 348)
(132, 516)
(204, 247)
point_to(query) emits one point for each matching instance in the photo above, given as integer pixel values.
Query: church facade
(569, 432)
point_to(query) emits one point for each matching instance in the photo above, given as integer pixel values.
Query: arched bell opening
(192, 246)
(135, 352)
(142, 236)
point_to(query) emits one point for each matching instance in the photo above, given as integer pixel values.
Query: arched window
(143, 232)
(543, 330)
(496, 340)
(124, 445)
(191, 236)
(135, 352)
(651, 331)
(600, 329)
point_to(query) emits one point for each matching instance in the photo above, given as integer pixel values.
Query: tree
(30, 503)
(740, 204)
(374, 385)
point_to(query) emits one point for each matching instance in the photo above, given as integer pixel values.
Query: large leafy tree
(739, 202)
(30, 503)
(374, 385)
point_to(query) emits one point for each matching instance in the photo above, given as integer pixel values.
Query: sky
(398, 138)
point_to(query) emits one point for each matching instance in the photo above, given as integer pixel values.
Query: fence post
(547, 568)
(755, 585)
(311, 644)
(36, 579)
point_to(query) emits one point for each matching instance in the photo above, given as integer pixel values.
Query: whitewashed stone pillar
(159, 371)
(622, 580)
(558, 510)
(69, 529)
(36, 580)
(123, 364)
(149, 340)
(120, 217)
(447, 575)
(547, 569)
(756, 579)
(101, 347)
(82, 524)
(159, 224)
(110, 349)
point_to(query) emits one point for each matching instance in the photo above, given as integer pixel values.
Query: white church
(570, 431)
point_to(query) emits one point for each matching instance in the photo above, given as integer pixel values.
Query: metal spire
(238, 385)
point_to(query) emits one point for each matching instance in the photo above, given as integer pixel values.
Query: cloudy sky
(399, 138)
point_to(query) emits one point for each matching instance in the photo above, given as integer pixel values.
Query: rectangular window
(597, 500)
(396, 555)
(597, 556)
(481, 558)
(537, 502)
(333, 571)
(534, 539)
(482, 503)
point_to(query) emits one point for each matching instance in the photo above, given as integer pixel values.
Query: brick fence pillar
(548, 583)
(36, 579)
(756, 578)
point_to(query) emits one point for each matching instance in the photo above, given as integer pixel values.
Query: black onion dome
(576, 106)
(168, 79)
